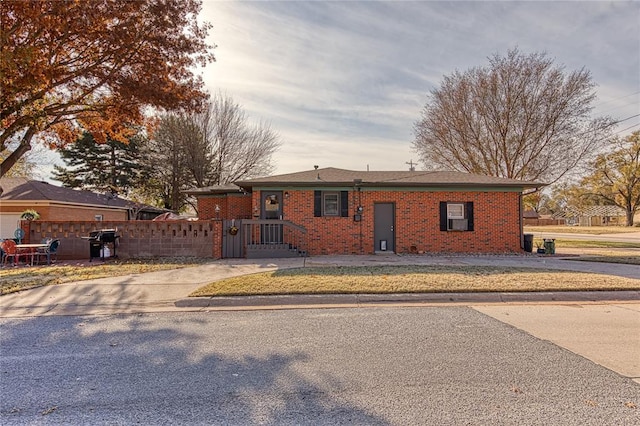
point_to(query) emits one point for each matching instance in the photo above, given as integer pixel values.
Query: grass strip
(593, 230)
(561, 243)
(14, 279)
(412, 279)
(627, 260)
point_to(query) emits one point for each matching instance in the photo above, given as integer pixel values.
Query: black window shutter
(317, 203)
(469, 214)
(443, 215)
(344, 203)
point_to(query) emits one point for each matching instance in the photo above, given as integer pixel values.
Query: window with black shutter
(331, 203)
(456, 216)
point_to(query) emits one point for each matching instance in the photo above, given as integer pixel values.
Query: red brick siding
(68, 212)
(417, 222)
(73, 213)
(239, 207)
(232, 206)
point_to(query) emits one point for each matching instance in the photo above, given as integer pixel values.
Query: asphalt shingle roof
(21, 189)
(332, 176)
(216, 189)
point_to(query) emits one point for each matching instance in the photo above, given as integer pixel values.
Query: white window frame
(325, 211)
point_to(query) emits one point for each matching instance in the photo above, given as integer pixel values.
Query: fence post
(217, 238)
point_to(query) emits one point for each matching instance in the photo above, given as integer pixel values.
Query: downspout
(521, 208)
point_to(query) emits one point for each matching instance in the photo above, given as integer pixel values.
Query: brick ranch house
(55, 203)
(334, 211)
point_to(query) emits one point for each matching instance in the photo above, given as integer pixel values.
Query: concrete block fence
(140, 238)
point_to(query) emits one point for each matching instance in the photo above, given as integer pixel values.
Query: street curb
(408, 298)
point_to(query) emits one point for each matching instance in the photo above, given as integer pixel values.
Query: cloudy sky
(343, 82)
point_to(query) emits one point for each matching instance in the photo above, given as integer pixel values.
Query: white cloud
(343, 82)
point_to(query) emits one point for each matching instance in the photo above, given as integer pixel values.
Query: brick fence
(140, 238)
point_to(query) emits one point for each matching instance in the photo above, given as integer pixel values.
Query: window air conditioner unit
(458, 224)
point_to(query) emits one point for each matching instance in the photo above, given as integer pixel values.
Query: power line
(616, 108)
(624, 119)
(613, 123)
(630, 127)
(615, 99)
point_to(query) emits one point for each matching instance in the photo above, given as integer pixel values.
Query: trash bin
(528, 243)
(550, 246)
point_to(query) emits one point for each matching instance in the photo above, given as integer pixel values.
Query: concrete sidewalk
(169, 290)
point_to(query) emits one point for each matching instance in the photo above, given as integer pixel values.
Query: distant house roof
(21, 189)
(604, 211)
(339, 177)
(215, 189)
(591, 211)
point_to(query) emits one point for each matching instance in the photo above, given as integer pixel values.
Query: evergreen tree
(110, 167)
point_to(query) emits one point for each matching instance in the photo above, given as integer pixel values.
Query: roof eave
(523, 185)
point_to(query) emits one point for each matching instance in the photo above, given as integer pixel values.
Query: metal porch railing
(264, 238)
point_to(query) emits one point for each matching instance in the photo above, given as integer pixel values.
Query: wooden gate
(232, 239)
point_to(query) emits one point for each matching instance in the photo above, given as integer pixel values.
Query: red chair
(10, 251)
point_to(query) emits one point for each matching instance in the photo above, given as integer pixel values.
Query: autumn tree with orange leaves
(68, 67)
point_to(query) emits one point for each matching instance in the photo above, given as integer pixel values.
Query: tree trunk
(12, 159)
(629, 217)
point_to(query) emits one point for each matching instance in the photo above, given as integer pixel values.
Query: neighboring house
(601, 216)
(594, 216)
(533, 218)
(363, 212)
(55, 203)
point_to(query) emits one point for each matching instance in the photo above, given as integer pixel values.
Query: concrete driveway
(607, 334)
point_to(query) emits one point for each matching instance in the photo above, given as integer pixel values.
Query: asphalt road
(404, 366)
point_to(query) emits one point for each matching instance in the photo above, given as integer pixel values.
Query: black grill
(98, 240)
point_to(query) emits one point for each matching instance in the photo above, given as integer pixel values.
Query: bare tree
(521, 117)
(215, 146)
(238, 149)
(166, 156)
